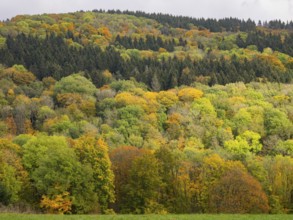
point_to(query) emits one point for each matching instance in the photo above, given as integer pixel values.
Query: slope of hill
(145, 113)
(130, 46)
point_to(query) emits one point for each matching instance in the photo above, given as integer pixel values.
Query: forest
(136, 113)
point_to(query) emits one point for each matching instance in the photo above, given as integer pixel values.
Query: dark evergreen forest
(53, 57)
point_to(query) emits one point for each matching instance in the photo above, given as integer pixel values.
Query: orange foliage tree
(122, 159)
(59, 204)
(238, 192)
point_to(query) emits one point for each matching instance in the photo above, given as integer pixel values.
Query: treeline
(53, 57)
(149, 43)
(263, 40)
(277, 24)
(214, 25)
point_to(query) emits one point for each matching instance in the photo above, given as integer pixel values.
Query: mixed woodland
(130, 112)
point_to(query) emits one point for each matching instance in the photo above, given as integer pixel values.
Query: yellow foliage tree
(167, 98)
(18, 74)
(67, 99)
(189, 94)
(151, 100)
(59, 204)
(126, 98)
(173, 125)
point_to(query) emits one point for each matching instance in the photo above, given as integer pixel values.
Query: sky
(254, 9)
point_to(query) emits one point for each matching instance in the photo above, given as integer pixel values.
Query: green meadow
(144, 217)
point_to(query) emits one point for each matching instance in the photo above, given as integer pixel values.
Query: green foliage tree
(277, 123)
(280, 180)
(94, 153)
(75, 83)
(13, 176)
(129, 123)
(248, 142)
(54, 169)
(144, 186)
(285, 148)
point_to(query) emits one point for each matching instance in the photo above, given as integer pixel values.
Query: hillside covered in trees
(129, 112)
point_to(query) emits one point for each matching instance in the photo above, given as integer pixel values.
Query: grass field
(144, 217)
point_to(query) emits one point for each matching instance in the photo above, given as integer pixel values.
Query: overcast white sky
(254, 9)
